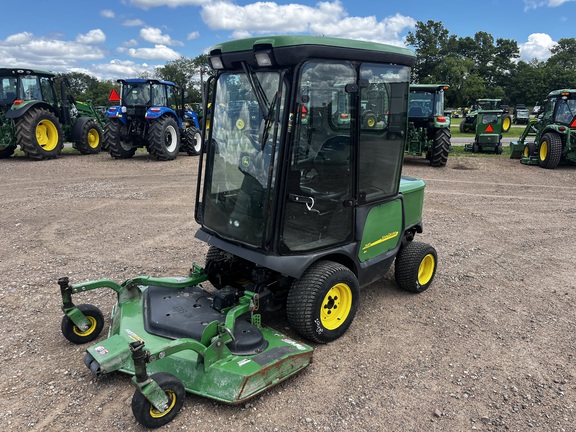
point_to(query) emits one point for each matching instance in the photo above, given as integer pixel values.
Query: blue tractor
(150, 113)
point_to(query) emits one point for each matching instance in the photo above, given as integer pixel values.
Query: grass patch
(459, 151)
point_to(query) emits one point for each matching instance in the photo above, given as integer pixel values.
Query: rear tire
(506, 123)
(415, 267)
(322, 304)
(91, 142)
(440, 148)
(39, 134)
(164, 139)
(117, 142)
(550, 150)
(192, 142)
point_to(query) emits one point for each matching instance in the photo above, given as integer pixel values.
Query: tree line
(474, 67)
(481, 67)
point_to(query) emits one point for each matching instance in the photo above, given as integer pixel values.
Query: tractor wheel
(506, 123)
(323, 302)
(415, 266)
(369, 120)
(550, 150)
(7, 152)
(39, 134)
(91, 138)
(77, 336)
(164, 139)
(498, 149)
(529, 150)
(144, 411)
(440, 148)
(193, 142)
(116, 139)
(462, 126)
(474, 148)
(214, 255)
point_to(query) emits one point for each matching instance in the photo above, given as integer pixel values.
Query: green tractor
(32, 116)
(301, 206)
(470, 121)
(428, 126)
(550, 139)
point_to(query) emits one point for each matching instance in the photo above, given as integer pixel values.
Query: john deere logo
(245, 161)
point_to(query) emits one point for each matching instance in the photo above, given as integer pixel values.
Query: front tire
(415, 267)
(77, 336)
(117, 140)
(441, 148)
(550, 150)
(193, 142)
(91, 142)
(322, 304)
(144, 411)
(164, 139)
(39, 134)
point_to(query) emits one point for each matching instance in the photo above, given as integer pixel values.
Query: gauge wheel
(77, 336)
(322, 304)
(146, 414)
(416, 266)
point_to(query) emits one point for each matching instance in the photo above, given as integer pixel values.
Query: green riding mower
(550, 139)
(300, 208)
(471, 120)
(488, 136)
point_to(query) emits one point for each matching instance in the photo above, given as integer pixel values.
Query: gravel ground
(490, 346)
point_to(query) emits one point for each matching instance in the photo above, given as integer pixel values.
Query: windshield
(565, 110)
(241, 177)
(426, 104)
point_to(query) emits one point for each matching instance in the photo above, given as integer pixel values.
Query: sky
(112, 39)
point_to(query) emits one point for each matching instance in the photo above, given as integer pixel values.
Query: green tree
(563, 54)
(430, 41)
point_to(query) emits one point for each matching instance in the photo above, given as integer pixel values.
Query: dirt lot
(489, 347)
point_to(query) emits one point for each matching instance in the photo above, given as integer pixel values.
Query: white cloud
(193, 35)
(133, 23)
(159, 52)
(116, 69)
(154, 35)
(534, 4)
(95, 36)
(148, 4)
(326, 18)
(26, 50)
(130, 43)
(537, 47)
(107, 13)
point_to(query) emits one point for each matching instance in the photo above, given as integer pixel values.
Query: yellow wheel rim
(506, 124)
(336, 306)
(47, 135)
(371, 122)
(93, 138)
(154, 413)
(240, 124)
(92, 327)
(426, 269)
(526, 152)
(543, 150)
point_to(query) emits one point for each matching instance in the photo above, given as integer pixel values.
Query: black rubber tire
(416, 265)
(116, 138)
(475, 148)
(164, 139)
(529, 150)
(7, 152)
(215, 254)
(92, 138)
(73, 333)
(39, 134)
(192, 142)
(498, 149)
(462, 126)
(440, 148)
(144, 411)
(506, 123)
(550, 150)
(323, 288)
(369, 120)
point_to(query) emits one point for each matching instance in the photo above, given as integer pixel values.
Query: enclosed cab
(301, 197)
(428, 125)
